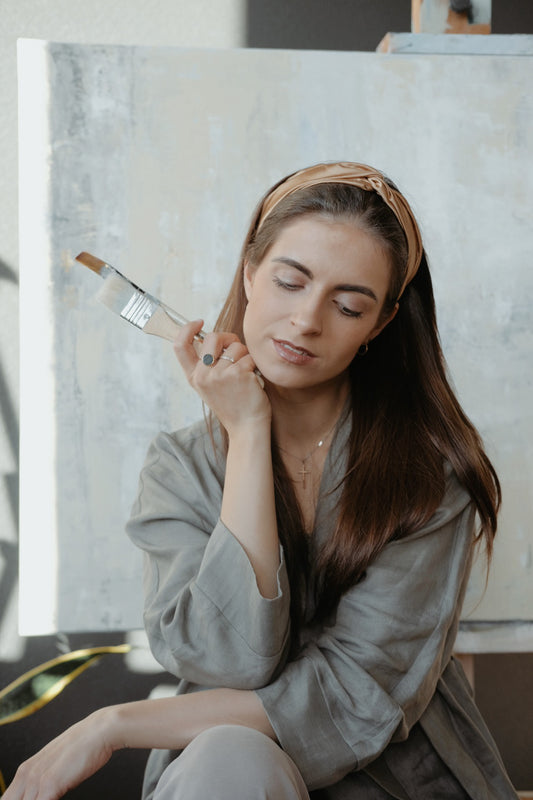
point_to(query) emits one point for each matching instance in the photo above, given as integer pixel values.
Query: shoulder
(437, 556)
(200, 437)
(196, 450)
(454, 515)
(182, 480)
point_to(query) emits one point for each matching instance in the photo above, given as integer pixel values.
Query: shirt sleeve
(205, 618)
(365, 680)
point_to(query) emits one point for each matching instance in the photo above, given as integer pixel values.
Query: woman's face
(313, 300)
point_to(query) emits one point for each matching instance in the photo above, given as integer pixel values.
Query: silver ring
(208, 360)
(227, 358)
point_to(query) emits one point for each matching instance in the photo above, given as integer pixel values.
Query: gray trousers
(231, 762)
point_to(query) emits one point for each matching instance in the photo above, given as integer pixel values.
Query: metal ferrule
(139, 309)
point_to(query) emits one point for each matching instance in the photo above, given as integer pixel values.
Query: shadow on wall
(107, 683)
(9, 550)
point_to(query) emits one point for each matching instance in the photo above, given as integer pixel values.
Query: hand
(229, 387)
(65, 762)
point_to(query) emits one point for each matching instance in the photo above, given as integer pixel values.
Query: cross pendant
(303, 472)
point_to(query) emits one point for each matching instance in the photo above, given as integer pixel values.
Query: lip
(290, 352)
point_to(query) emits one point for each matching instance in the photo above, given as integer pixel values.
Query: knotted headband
(365, 178)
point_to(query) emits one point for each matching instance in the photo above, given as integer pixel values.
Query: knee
(228, 750)
(230, 762)
(226, 739)
(231, 737)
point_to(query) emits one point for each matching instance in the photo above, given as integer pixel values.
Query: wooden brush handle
(161, 325)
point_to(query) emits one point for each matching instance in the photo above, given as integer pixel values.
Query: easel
(442, 16)
(452, 28)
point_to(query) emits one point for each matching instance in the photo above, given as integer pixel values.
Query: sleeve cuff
(228, 580)
(308, 728)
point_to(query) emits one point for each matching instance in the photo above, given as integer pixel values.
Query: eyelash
(292, 287)
(348, 312)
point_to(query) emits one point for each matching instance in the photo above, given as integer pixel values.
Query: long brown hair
(406, 420)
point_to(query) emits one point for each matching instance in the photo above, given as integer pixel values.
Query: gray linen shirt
(359, 684)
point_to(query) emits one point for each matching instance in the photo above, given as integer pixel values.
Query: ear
(248, 278)
(377, 330)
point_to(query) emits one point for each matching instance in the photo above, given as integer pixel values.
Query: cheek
(260, 308)
(347, 357)
(348, 350)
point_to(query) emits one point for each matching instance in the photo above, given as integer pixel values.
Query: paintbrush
(132, 303)
(135, 305)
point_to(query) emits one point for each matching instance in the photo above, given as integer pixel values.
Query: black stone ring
(208, 359)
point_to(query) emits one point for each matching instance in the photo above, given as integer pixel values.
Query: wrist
(252, 432)
(110, 726)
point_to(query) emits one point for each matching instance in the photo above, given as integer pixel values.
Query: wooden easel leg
(447, 16)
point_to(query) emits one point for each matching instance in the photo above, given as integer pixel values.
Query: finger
(237, 353)
(233, 353)
(186, 347)
(214, 345)
(247, 364)
(237, 350)
(216, 342)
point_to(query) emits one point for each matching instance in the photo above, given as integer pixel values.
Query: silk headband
(365, 178)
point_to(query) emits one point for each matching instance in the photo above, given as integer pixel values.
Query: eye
(349, 312)
(290, 287)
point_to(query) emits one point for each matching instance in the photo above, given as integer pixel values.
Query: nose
(307, 315)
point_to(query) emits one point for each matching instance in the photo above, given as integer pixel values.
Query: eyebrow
(342, 287)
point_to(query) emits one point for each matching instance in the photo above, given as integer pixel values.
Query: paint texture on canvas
(155, 160)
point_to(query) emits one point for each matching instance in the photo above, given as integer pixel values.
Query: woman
(307, 551)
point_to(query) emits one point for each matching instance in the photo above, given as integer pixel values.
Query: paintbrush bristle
(94, 263)
(116, 292)
(132, 304)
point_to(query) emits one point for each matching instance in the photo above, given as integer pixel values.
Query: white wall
(202, 23)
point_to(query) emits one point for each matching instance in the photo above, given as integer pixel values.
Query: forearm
(171, 723)
(232, 391)
(248, 505)
(167, 723)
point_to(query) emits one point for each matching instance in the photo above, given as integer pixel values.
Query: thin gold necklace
(303, 472)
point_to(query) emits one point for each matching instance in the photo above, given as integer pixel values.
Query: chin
(289, 378)
(280, 375)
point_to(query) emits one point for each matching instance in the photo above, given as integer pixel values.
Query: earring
(363, 350)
